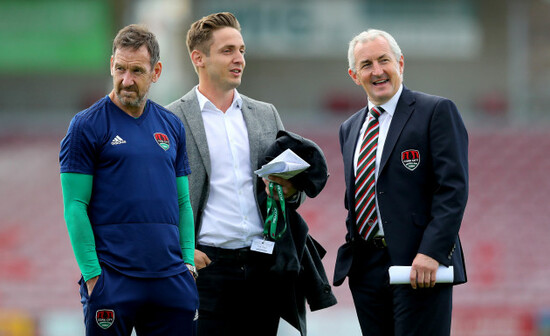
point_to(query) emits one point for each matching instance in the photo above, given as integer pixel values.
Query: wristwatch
(193, 270)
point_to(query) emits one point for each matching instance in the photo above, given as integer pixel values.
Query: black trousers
(237, 295)
(387, 310)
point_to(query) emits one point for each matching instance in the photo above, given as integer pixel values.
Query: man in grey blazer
(227, 134)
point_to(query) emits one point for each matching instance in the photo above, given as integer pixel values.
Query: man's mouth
(380, 82)
(128, 90)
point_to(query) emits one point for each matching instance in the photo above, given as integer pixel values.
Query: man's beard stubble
(130, 102)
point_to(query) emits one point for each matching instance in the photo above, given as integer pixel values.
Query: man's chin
(234, 84)
(130, 102)
(380, 96)
(234, 81)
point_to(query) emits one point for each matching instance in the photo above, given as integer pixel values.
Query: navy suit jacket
(422, 186)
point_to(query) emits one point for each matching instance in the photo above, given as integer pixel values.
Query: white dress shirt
(231, 218)
(384, 125)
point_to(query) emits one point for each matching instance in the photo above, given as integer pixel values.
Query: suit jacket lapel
(404, 109)
(349, 152)
(252, 126)
(193, 116)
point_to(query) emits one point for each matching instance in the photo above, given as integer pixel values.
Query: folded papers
(285, 165)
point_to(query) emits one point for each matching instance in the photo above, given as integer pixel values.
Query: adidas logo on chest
(118, 141)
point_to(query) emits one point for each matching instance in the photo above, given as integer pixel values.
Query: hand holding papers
(285, 165)
(400, 275)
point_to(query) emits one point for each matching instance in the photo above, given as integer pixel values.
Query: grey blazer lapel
(252, 125)
(192, 114)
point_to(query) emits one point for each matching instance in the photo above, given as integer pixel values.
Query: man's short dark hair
(134, 36)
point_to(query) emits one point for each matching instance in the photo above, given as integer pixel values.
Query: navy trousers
(388, 310)
(153, 306)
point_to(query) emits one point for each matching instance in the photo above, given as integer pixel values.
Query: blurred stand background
(492, 58)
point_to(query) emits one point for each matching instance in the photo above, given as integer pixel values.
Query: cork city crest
(105, 318)
(162, 140)
(410, 159)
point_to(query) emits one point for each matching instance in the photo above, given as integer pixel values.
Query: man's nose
(377, 69)
(239, 58)
(127, 79)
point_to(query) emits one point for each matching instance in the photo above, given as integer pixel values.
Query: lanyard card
(262, 246)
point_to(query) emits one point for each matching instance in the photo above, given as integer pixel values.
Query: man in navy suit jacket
(421, 191)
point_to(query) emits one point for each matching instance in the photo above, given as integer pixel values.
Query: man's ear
(157, 70)
(197, 58)
(353, 76)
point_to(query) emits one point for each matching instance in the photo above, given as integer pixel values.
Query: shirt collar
(391, 104)
(203, 101)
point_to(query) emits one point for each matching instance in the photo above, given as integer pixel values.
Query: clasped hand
(423, 271)
(288, 188)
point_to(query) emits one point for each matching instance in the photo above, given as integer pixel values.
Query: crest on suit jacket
(410, 159)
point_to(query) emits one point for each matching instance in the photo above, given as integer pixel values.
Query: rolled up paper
(400, 275)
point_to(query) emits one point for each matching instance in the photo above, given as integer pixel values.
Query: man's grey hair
(370, 35)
